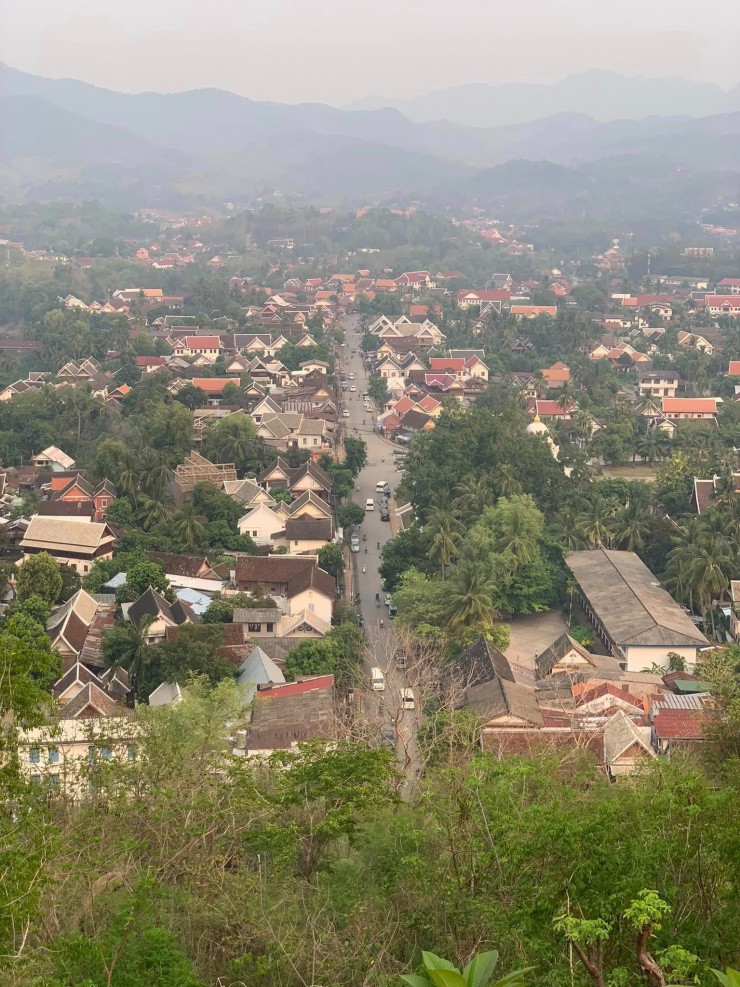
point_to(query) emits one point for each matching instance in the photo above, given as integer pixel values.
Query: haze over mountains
(595, 93)
(63, 138)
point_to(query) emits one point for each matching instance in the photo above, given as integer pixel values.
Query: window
(105, 753)
(131, 752)
(254, 628)
(53, 755)
(91, 755)
(53, 780)
(34, 755)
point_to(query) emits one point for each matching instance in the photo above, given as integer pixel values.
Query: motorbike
(381, 622)
(378, 546)
(364, 536)
(364, 568)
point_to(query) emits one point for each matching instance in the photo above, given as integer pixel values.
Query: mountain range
(596, 93)
(64, 138)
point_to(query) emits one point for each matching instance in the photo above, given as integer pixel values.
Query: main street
(380, 466)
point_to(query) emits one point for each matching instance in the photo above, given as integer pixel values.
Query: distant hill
(67, 138)
(596, 93)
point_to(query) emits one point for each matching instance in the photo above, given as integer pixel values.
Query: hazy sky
(337, 50)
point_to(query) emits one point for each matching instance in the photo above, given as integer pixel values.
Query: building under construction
(198, 469)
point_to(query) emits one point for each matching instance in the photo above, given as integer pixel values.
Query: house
(561, 410)
(78, 491)
(533, 311)
(658, 383)
(694, 341)
(678, 729)
(295, 582)
(285, 714)
(477, 298)
(209, 347)
(634, 617)
(563, 657)
(261, 524)
(729, 285)
(735, 609)
(213, 387)
(690, 409)
(733, 369)
(153, 611)
(556, 376)
(76, 543)
(626, 745)
(69, 623)
(53, 459)
(304, 535)
(258, 669)
(705, 491)
(188, 571)
(723, 305)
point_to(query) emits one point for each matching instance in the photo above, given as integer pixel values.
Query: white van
(380, 486)
(369, 504)
(407, 698)
(377, 679)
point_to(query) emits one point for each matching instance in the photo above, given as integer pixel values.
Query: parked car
(377, 679)
(407, 698)
(381, 485)
(400, 658)
(387, 600)
(392, 611)
(384, 515)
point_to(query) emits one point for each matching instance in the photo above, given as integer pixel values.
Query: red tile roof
(689, 406)
(213, 385)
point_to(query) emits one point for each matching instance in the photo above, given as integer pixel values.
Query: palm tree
(594, 522)
(127, 478)
(192, 528)
(152, 512)
(630, 527)
(518, 539)
(157, 478)
(445, 532)
(709, 570)
(508, 483)
(470, 596)
(133, 653)
(473, 497)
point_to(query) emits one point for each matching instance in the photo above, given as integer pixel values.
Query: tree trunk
(653, 973)
(594, 964)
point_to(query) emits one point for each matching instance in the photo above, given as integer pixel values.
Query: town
(354, 616)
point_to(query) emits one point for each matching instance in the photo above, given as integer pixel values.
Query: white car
(369, 504)
(345, 413)
(353, 388)
(387, 600)
(407, 699)
(381, 485)
(351, 376)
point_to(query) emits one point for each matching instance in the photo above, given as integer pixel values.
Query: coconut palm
(508, 484)
(470, 596)
(445, 532)
(630, 526)
(157, 478)
(192, 528)
(152, 512)
(132, 654)
(709, 571)
(594, 522)
(473, 497)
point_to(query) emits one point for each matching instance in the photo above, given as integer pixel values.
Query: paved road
(380, 466)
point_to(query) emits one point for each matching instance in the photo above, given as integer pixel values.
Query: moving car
(407, 698)
(369, 504)
(345, 413)
(377, 680)
(381, 485)
(353, 388)
(351, 376)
